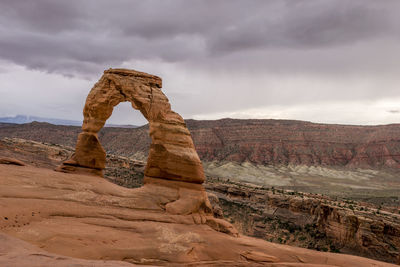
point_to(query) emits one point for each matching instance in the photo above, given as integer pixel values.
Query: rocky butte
(77, 218)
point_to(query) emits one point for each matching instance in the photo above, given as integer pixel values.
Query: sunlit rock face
(172, 154)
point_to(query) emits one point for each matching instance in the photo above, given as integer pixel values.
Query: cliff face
(308, 220)
(271, 142)
(265, 142)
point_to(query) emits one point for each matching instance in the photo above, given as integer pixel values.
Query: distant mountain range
(260, 142)
(21, 119)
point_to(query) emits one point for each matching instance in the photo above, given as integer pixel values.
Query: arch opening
(125, 116)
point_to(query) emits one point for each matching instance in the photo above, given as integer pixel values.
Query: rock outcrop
(17, 253)
(308, 220)
(172, 154)
(11, 161)
(121, 170)
(172, 164)
(84, 220)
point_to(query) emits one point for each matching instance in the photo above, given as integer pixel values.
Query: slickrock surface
(121, 170)
(172, 154)
(11, 161)
(17, 253)
(87, 217)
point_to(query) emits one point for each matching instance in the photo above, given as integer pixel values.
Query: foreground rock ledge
(84, 220)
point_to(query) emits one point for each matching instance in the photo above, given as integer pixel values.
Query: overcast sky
(333, 61)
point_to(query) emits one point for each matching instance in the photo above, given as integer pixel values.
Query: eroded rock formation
(286, 142)
(172, 154)
(11, 161)
(173, 163)
(308, 220)
(70, 216)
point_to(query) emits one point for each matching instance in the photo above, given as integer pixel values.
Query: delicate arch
(172, 154)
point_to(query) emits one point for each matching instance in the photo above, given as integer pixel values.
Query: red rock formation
(276, 142)
(70, 216)
(323, 223)
(120, 170)
(172, 154)
(15, 252)
(11, 161)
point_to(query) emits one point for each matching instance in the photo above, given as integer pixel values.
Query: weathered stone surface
(11, 161)
(120, 169)
(17, 253)
(81, 220)
(309, 220)
(172, 154)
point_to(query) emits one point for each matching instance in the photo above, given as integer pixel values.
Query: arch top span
(172, 154)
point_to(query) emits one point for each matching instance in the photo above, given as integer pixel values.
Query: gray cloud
(73, 37)
(310, 24)
(214, 55)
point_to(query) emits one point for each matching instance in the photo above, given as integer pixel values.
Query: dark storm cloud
(72, 37)
(310, 24)
(42, 15)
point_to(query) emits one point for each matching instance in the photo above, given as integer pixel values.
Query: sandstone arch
(172, 154)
